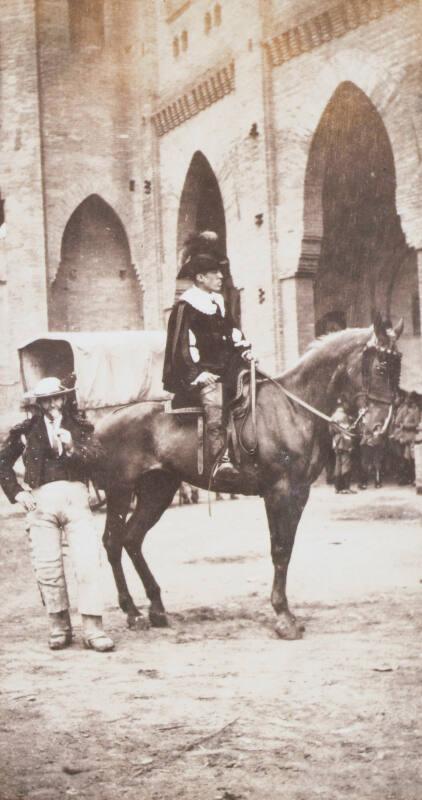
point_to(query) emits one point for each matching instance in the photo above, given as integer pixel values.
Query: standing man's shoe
(94, 637)
(60, 630)
(99, 642)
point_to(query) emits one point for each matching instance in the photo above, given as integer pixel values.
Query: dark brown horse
(148, 453)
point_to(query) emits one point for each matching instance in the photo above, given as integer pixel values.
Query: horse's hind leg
(118, 502)
(154, 494)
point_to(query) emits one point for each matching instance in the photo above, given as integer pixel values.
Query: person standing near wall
(409, 427)
(343, 447)
(56, 446)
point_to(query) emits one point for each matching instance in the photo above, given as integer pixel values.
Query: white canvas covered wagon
(112, 368)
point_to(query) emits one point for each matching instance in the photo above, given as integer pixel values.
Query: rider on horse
(204, 348)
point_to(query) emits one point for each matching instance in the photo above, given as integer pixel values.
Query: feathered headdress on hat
(202, 253)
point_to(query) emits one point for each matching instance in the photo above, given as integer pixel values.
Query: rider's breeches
(63, 509)
(212, 403)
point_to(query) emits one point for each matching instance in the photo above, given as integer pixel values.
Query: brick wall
(102, 115)
(22, 271)
(221, 133)
(94, 139)
(381, 58)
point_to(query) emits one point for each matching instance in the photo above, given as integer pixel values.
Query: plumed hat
(202, 253)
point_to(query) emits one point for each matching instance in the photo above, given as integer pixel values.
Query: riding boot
(93, 634)
(60, 630)
(217, 448)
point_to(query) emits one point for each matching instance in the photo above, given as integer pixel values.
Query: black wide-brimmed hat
(202, 253)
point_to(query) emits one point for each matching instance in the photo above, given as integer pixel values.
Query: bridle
(389, 363)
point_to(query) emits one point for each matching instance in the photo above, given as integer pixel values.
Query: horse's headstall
(386, 361)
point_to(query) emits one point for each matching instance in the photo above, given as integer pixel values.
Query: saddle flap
(168, 409)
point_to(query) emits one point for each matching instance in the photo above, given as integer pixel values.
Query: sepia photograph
(210, 399)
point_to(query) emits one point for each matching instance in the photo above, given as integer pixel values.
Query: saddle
(240, 410)
(199, 412)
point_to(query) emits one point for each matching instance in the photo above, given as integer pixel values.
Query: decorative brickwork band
(332, 23)
(204, 94)
(175, 10)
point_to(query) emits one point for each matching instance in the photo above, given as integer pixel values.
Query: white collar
(204, 301)
(52, 427)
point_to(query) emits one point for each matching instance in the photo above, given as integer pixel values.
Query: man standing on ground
(55, 445)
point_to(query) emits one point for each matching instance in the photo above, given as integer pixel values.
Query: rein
(312, 409)
(308, 407)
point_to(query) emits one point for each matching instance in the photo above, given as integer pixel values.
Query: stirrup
(224, 468)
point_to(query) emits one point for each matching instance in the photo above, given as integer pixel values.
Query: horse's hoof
(137, 623)
(158, 619)
(289, 629)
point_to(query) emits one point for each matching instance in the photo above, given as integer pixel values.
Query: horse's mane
(328, 348)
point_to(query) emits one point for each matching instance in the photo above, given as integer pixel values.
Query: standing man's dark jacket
(201, 337)
(30, 440)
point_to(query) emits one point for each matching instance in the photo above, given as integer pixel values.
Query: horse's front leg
(284, 509)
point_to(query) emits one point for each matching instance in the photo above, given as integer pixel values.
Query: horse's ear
(398, 329)
(377, 324)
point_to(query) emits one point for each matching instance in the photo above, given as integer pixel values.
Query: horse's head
(370, 378)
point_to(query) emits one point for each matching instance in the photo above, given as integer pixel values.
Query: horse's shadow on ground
(253, 617)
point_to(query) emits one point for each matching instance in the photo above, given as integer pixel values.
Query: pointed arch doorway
(353, 245)
(96, 287)
(201, 208)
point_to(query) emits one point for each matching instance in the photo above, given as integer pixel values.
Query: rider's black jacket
(198, 342)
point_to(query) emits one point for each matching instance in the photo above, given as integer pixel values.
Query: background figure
(395, 447)
(343, 447)
(409, 425)
(372, 448)
(188, 495)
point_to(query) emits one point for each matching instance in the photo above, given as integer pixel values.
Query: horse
(147, 453)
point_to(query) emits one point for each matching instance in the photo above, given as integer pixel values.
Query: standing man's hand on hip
(26, 500)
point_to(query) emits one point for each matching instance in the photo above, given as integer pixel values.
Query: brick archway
(96, 287)
(201, 208)
(300, 217)
(350, 216)
(201, 205)
(388, 94)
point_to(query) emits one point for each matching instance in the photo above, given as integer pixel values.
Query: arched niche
(353, 242)
(201, 208)
(96, 287)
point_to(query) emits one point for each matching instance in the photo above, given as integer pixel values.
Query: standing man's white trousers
(62, 506)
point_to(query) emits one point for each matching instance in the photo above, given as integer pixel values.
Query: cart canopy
(112, 368)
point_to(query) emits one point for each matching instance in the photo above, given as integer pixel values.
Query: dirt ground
(216, 707)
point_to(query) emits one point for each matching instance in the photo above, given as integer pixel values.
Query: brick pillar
(419, 272)
(250, 231)
(297, 315)
(418, 445)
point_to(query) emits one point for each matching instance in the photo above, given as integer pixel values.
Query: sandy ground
(216, 707)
